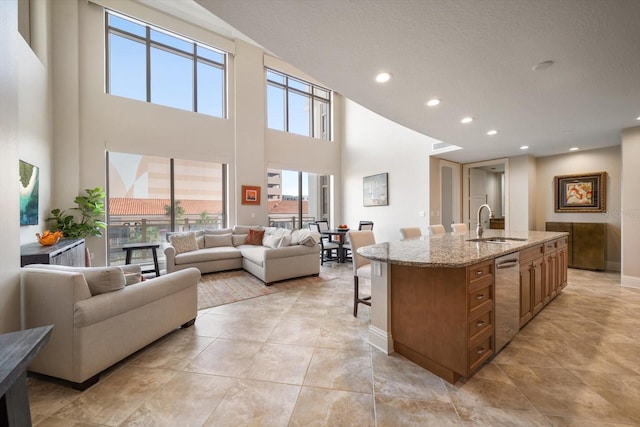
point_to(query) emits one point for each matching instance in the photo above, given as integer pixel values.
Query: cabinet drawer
(479, 325)
(480, 271)
(562, 242)
(480, 296)
(480, 352)
(528, 255)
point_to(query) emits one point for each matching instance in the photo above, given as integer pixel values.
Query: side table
(17, 350)
(130, 247)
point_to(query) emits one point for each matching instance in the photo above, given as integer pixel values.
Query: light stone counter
(453, 249)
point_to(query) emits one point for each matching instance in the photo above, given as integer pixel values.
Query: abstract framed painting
(585, 192)
(250, 195)
(375, 190)
(29, 186)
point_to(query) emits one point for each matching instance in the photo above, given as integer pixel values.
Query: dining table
(339, 236)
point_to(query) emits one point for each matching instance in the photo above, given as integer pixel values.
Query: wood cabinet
(70, 252)
(586, 244)
(543, 274)
(442, 318)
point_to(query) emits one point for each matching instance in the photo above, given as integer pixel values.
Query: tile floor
(299, 358)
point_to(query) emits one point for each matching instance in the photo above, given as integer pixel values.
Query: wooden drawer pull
(479, 323)
(480, 350)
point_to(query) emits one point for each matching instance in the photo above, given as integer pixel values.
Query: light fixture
(383, 77)
(573, 149)
(466, 120)
(433, 102)
(542, 65)
(638, 118)
(524, 147)
(492, 132)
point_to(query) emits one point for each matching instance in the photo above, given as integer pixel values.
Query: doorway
(450, 196)
(486, 182)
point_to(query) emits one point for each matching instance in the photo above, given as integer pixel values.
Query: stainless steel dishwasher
(507, 299)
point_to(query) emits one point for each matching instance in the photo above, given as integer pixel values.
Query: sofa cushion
(272, 241)
(219, 231)
(238, 239)
(100, 280)
(200, 242)
(208, 254)
(254, 237)
(217, 240)
(244, 229)
(184, 242)
(253, 253)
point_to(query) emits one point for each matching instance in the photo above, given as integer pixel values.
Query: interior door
(477, 197)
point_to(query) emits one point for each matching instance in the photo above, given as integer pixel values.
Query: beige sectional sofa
(102, 315)
(280, 255)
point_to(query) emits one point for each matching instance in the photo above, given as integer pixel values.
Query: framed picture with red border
(250, 195)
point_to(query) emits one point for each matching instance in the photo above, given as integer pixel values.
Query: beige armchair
(436, 229)
(410, 232)
(98, 319)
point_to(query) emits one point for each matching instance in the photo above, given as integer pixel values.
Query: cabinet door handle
(480, 350)
(479, 273)
(479, 323)
(480, 297)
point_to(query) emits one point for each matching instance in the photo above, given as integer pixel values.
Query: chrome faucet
(479, 229)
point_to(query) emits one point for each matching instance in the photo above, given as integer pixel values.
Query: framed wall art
(581, 192)
(375, 190)
(29, 188)
(250, 195)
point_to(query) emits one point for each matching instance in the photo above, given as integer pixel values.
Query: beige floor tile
(255, 403)
(280, 363)
(524, 350)
(348, 370)
(556, 421)
(187, 400)
(47, 397)
(398, 411)
(393, 375)
(250, 329)
(223, 357)
(484, 416)
(296, 331)
(174, 352)
(345, 334)
(622, 391)
(322, 407)
(57, 422)
(113, 399)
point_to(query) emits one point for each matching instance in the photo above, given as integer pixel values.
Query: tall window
(153, 65)
(296, 198)
(149, 196)
(296, 106)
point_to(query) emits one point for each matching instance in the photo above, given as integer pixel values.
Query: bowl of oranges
(343, 227)
(49, 238)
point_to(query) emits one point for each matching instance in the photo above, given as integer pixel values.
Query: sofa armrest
(170, 255)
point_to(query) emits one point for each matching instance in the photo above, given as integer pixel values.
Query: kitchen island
(434, 298)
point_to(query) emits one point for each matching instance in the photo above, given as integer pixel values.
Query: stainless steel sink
(505, 240)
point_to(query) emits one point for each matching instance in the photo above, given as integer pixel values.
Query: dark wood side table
(130, 247)
(17, 350)
(341, 235)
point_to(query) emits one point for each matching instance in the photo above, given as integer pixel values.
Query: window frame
(150, 43)
(311, 94)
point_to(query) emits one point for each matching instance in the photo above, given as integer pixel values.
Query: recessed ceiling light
(433, 102)
(466, 120)
(524, 147)
(492, 132)
(542, 65)
(573, 149)
(638, 118)
(383, 77)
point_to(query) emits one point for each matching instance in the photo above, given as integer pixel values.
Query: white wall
(25, 133)
(606, 159)
(372, 145)
(521, 212)
(629, 212)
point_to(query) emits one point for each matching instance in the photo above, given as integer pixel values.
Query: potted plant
(91, 221)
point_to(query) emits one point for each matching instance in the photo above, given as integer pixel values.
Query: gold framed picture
(581, 192)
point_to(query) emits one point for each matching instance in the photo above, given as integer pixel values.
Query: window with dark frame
(151, 64)
(296, 106)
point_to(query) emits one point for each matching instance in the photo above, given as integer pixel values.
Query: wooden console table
(17, 350)
(70, 252)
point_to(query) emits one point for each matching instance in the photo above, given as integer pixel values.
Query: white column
(380, 327)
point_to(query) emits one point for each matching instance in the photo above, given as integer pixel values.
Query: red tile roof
(287, 206)
(120, 206)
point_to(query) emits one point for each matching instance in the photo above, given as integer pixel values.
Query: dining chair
(410, 232)
(459, 227)
(436, 229)
(365, 225)
(361, 265)
(327, 247)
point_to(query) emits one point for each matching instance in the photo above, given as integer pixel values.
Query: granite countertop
(453, 249)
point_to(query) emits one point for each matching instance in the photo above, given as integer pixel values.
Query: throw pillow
(184, 242)
(238, 239)
(254, 237)
(215, 241)
(295, 237)
(133, 278)
(286, 240)
(104, 279)
(200, 242)
(271, 241)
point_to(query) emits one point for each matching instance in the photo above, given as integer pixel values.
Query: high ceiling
(476, 56)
